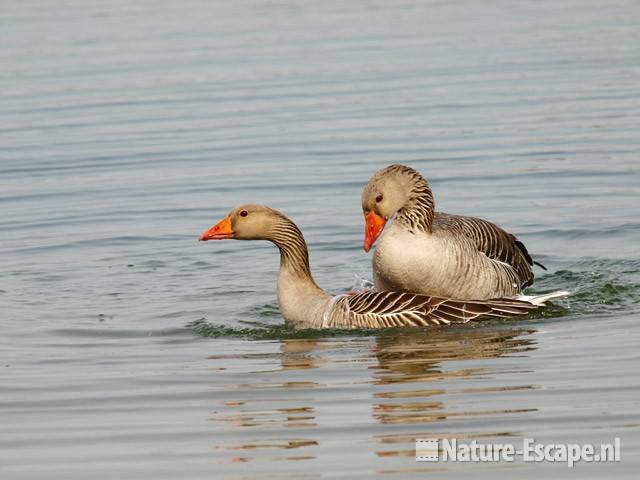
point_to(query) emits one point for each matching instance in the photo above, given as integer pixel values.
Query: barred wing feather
(495, 243)
(373, 309)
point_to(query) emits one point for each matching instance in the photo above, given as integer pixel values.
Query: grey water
(130, 350)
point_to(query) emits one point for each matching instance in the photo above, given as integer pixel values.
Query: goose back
(373, 309)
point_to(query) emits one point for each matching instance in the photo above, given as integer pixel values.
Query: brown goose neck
(417, 212)
(294, 255)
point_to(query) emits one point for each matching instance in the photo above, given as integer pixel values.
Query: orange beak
(219, 231)
(374, 225)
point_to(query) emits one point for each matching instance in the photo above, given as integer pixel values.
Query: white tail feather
(542, 299)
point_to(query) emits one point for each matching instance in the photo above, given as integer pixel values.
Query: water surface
(130, 350)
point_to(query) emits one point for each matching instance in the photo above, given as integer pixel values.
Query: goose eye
(243, 213)
(378, 198)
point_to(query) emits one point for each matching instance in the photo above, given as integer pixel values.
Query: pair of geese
(430, 268)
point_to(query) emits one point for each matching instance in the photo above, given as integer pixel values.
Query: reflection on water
(134, 124)
(298, 354)
(416, 356)
(405, 358)
(411, 359)
(407, 376)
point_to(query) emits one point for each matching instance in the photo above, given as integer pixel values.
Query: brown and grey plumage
(436, 253)
(305, 304)
(374, 309)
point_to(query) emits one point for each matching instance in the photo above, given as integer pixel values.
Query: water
(130, 350)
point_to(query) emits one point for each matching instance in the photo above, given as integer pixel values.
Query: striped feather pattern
(495, 243)
(513, 262)
(372, 309)
(418, 211)
(289, 239)
(305, 304)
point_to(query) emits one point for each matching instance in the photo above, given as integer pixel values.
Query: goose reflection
(416, 372)
(417, 356)
(410, 383)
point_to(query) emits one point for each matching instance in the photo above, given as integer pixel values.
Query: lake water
(130, 350)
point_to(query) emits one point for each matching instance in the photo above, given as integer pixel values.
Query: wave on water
(597, 286)
(283, 331)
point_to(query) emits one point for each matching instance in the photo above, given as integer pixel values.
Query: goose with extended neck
(304, 304)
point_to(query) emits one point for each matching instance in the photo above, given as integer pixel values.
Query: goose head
(246, 222)
(385, 194)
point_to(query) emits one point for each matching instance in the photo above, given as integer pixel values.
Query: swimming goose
(304, 304)
(434, 253)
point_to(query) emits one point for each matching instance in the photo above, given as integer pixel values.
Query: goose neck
(418, 210)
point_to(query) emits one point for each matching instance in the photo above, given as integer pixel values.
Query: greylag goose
(304, 304)
(434, 253)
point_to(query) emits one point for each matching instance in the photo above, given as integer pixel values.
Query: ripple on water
(127, 138)
(597, 286)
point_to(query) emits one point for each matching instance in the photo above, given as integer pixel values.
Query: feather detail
(372, 309)
(495, 243)
(305, 304)
(465, 239)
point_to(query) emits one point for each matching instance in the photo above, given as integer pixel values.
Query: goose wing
(494, 242)
(373, 309)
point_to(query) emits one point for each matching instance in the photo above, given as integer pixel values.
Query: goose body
(304, 304)
(435, 253)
